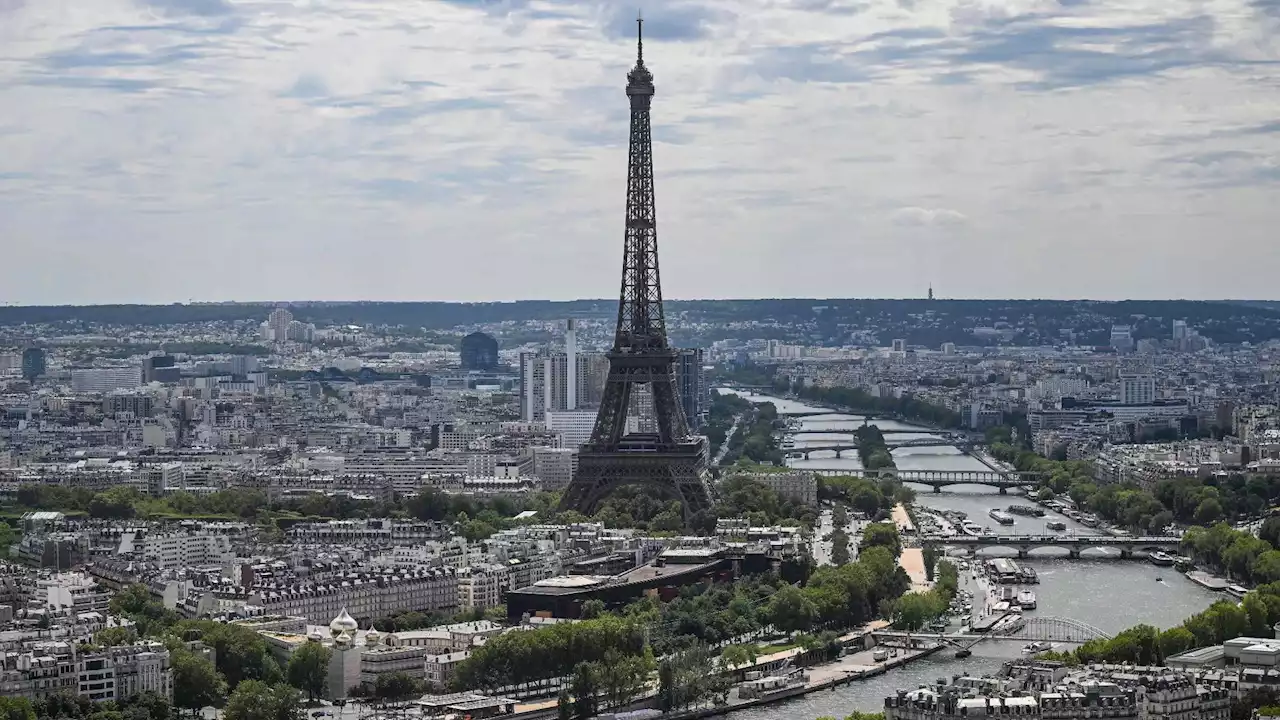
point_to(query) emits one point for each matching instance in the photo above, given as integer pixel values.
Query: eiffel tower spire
(671, 460)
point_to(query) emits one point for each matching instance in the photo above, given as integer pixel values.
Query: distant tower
(668, 459)
(931, 292)
(571, 364)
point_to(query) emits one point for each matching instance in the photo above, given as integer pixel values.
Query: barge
(1001, 517)
(1025, 510)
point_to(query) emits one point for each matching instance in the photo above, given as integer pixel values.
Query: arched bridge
(1039, 629)
(1073, 544)
(840, 447)
(938, 479)
(851, 432)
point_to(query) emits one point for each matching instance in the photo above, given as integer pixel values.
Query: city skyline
(209, 150)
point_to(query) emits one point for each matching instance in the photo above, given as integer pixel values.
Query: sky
(209, 150)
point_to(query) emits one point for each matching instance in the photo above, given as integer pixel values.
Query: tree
(586, 687)
(16, 708)
(736, 656)
(396, 687)
(113, 636)
(256, 700)
(148, 705)
(309, 669)
(881, 535)
(592, 609)
(1208, 512)
(930, 555)
(196, 682)
(790, 610)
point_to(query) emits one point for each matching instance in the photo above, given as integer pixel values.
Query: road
(724, 446)
(820, 546)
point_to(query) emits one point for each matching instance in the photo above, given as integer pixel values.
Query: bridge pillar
(1073, 553)
(838, 453)
(1024, 551)
(806, 456)
(1126, 554)
(1004, 490)
(937, 488)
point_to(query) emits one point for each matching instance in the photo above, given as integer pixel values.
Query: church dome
(343, 623)
(315, 637)
(372, 637)
(343, 640)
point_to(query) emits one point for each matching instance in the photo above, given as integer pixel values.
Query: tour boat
(1056, 525)
(1027, 600)
(1161, 559)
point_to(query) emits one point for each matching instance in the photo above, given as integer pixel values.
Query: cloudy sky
(168, 150)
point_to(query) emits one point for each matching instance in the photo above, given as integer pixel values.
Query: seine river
(1110, 594)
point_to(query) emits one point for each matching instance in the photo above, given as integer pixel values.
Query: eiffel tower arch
(666, 458)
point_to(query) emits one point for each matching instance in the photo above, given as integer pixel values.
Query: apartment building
(171, 551)
(367, 596)
(114, 673)
(482, 586)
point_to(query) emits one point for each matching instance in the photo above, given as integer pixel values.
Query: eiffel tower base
(678, 476)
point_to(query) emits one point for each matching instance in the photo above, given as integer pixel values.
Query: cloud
(919, 216)
(480, 146)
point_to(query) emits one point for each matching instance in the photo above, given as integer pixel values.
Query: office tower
(33, 363)
(479, 352)
(159, 368)
(571, 364)
(899, 345)
(101, 380)
(544, 382)
(691, 379)
(672, 461)
(1137, 389)
(948, 348)
(1122, 338)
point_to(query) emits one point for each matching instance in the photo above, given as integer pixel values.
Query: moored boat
(1001, 517)
(1056, 525)
(1161, 559)
(1027, 510)
(1027, 600)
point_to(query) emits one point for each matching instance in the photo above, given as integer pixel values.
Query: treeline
(873, 498)
(1240, 554)
(1198, 501)
(908, 407)
(872, 449)
(1255, 616)
(474, 518)
(914, 610)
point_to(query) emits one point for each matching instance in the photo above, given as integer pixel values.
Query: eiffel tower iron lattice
(668, 458)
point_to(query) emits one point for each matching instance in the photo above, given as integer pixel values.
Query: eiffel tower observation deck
(668, 460)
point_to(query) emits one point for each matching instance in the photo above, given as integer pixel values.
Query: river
(1109, 594)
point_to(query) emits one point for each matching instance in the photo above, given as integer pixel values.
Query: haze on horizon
(160, 151)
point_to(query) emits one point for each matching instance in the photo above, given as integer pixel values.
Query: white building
(482, 586)
(1137, 389)
(171, 551)
(103, 380)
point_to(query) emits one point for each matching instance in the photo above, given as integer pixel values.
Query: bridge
(849, 431)
(1039, 629)
(839, 448)
(939, 479)
(1073, 544)
(835, 411)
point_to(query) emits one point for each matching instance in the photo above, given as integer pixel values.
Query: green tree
(592, 609)
(113, 636)
(308, 669)
(881, 535)
(396, 687)
(585, 688)
(257, 700)
(196, 682)
(930, 555)
(1208, 512)
(791, 610)
(736, 656)
(16, 708)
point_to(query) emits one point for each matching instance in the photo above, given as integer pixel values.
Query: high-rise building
(159, 368)
(33, 363)
(479, 352)
(899, 345)
(692, 383)
(1137, 389)
(544, 382)
(278, 325)
(1122, 338)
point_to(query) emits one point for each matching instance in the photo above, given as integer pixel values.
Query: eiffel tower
(672, 461)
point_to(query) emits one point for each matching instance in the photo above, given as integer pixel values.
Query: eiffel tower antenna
(668, 459)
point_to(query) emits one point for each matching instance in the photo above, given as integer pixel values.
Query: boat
(1008, 594)
(1027, 600)
(1056, 525)
(1001, 517)
(963, 653)
(1237, 591)
(1036, 647)
(1026, 510)
(774, 687)
(1028, 575)
(1161, 559)
(971, 528)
